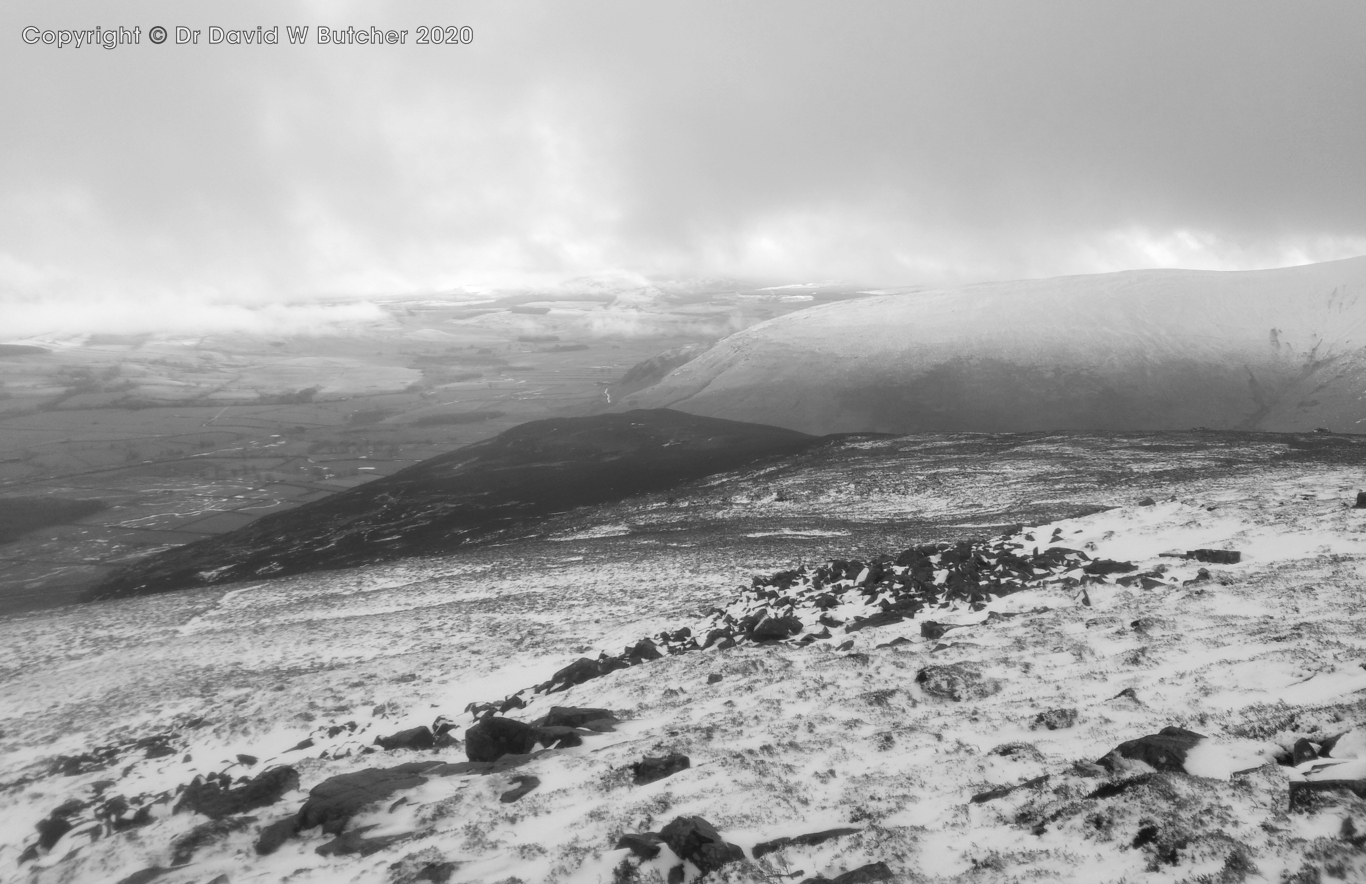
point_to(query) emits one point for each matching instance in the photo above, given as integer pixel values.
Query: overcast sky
(878, 142)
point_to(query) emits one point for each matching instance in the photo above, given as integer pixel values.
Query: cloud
(921, 143)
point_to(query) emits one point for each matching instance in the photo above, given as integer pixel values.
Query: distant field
(20, 515)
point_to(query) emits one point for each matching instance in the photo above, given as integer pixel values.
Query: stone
(142, 876)
(573, 716)
(558, 737)
(878, 871)
(184, 848)
(274, 836)
(810, 839)
(933, 631)
(1164, 750)
(333, 802)
(956, 681)
(1304, 795)
(1147, 501)
(1055, 719)
(354, 843)
(993, 794)
(51, 830)
(247, 760)
(1102, 567)
(772, 629)
(644, 845)
(694, 839)
(1361, 501)
(215, 801)
(1216, 556)
(494, 737)
(420, 737)
(525, 784)
(1303, 751)
(714, 678)
(642, 652)
(881, 618)
(650, 769)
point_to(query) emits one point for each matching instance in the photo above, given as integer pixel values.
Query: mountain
(1141, 350)
(477, 492)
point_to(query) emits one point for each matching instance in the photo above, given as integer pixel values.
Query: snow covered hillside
(1154, 349)
(1110, 697)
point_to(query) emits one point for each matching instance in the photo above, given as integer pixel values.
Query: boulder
(1361, 501)
(1101, 567)
(1216, 556)
(215, 800)
(810, 839)
(649, 769)
(878, 871)
(642, 652)
(573, 716)
(494, 737)
(694, 839)
(644, 845)
(558, 737)
(956, 681)
(1164, 750)
(1303, 751)
(333, 802)
(355, 843)
(525, 784)
(184, 848)
(1304, 795)
(772, 629)
(420, 737)
(273, 836)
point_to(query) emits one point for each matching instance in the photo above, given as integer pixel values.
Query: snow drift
(1141, 350)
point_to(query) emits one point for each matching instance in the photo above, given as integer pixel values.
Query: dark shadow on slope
(476, 493)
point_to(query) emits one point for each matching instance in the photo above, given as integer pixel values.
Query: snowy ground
(790, 739)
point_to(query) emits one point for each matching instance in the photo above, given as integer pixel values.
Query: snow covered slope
(1155, 349)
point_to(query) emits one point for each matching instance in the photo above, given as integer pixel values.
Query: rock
(650, 769)
(142, 876)
(1361, 501)
(808, 840)
(644, 845)
(1147, 501)
(420, 737)
(184, 848)
(714, 678)
(558, 737)
(881, 618)
(878, 871)
(494, 737)
(993, 794)
(301, 745)
(247, 760)
(524, 785)
(694, 839)
(51, 830)
(1164, 750)
(210, 798)
(274, 836)
(1101, 567)
(1302, 752)
(642, 652)
(355, 843)
(716, 635)
(772, 629)
(333, 802)
(1303, 795)
(956, 681)
(1216, 556)
(1055, 719)
(578, 672)
(573, 716)
(933, 631)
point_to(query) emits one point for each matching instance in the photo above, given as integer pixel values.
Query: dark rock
(495, 737)
(714, 678)
(144, 875)
(435, 872)
(558, 737)
(644, 845)
(420, 737)
(273, 836)
(1304, 795)
(1110, 790)
(301, 745)
(1216, 556)
(1361, 501)
(247, 760)
(184, 848)
(642, 652)
(51, 830)
(1302, 752)
(956, 681)
(882, 618)
(1147, 501)
(1101, 567)
(878, 871)
(772, 629)
(1127, 694)
(993, 794)
(933, 631)
(715, 636)
(649, 769)
(573, 716)
(355, 843)
(1164, 750)
(212, 799)
(524, 785)
(333, 802)
(694, 839)
(808, 840)
(895, 643)
(1055, 719)
(578, 672)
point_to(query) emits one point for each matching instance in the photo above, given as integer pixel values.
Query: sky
(885, 143)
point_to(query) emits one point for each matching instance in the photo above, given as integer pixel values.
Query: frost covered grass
(783, 739)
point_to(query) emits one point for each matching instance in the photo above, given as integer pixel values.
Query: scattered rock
(333, 802)
(495, 737)
(51, 830)
(420, 737)
(956, 681)
(993, 794)
(878, 871)
(216, 799)
(644, 845)
(694, 839)
(650, 769)
(772, 629)
(1147, 501)
(574, 716)
(1216, 556)
(558, 737)
(274, 836)
(1304, 795)
(525, 784)
(355, 843)
(184, 848)
(1164, 750)
(808, 840)
(1102, 567)
(1055, 719)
